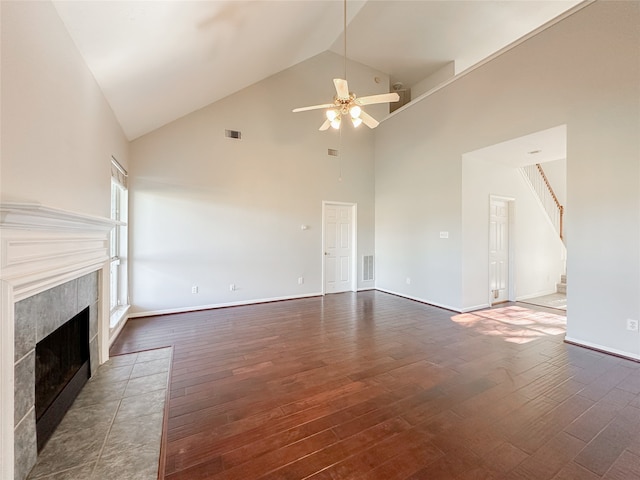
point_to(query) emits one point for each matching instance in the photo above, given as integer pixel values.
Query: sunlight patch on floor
(515, 324)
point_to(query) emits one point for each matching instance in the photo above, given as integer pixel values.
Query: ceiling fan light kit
(348, 105)
(345, 103)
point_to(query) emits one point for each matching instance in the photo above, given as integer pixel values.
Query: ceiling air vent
(332, 152)
(235, 134)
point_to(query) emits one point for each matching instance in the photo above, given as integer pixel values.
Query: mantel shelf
(32, 216)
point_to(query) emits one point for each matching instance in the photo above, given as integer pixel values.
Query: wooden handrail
(555, 198)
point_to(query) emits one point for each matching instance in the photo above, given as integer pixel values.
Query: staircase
(543, 191)
(562, 286)
(545, 194)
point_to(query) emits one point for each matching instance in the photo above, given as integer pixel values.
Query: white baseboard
(475, 308)
(534, 295)
(601, 348)
(169, 311)
(421, 300)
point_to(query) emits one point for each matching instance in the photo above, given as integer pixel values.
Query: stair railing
(547, 196)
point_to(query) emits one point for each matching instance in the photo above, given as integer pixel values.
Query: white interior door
(498, 250)
(339, 255)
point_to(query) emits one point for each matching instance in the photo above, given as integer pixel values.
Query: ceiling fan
(345, 103)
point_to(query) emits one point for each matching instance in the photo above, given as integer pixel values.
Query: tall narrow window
(118, 246)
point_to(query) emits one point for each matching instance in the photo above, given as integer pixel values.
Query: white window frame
(118, 297)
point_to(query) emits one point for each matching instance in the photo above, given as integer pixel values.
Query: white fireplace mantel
(40, 248)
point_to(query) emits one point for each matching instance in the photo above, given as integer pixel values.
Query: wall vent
(332, 152)
(367, 267)
(235, 134)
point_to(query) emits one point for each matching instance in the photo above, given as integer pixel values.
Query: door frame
(511, 287)
(354, 242)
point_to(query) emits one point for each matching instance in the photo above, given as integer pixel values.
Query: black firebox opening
(62, 369)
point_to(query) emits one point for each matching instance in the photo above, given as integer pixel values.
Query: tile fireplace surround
(50, 261)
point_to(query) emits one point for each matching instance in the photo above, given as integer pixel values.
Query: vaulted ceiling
(159, 60)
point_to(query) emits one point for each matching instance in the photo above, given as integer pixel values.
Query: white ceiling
(159, 60)
(538, 147)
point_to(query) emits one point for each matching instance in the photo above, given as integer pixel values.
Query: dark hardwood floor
(374, 386)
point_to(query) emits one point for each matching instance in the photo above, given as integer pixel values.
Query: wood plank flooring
(374, 386)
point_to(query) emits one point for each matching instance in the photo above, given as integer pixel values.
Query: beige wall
(58, 132)
(210, 211)
(57, 138)
(583, 72)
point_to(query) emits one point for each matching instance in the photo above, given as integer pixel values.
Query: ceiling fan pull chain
(339, 156)
(345, 39)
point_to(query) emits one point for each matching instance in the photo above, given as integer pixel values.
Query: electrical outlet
(408, 281)
(300, 280)
(232, 287)
(632, 325)
(194, 289)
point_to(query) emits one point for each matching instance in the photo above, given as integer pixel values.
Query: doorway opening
(537, 249)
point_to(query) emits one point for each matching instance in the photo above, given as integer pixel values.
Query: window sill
(117, 316)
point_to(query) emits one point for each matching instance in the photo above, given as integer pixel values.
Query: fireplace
(54, 264)
(61, 370)
(55, 327)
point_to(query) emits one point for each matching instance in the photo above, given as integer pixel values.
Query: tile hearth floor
(113, 430)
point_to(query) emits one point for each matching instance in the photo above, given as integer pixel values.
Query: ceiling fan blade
(368, 120)
(313, 107)
(325, 125)
(382, 98)
(342, 88)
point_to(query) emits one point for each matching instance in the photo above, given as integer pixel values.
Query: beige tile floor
(554, 300)
(113, 430)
